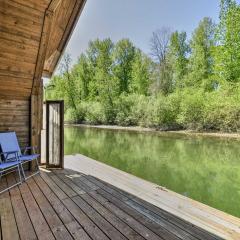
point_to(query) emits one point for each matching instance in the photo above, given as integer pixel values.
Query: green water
(204, 169)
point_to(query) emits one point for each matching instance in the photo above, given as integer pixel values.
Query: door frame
(61, 160)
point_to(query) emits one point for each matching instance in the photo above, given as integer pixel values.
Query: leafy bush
(95, 113)
(68, 115)
(162, 112)
(129, 111)
(109, 112)
(220, 117)
(76, 115)
(71, 116)
(222, 111)
(139, 109)
(191, 112)
(217, 110)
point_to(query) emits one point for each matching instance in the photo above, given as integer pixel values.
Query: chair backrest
(9, 143)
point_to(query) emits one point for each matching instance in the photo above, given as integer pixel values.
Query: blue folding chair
(8, 165)
(9, 143)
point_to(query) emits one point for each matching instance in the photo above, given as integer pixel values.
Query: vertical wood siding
(14, 116)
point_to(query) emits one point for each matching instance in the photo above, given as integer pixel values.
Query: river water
(206, 169)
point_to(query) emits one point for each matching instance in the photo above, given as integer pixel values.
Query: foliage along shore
(184, 85)
(190, 133)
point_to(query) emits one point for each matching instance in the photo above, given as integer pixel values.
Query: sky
(137, 20)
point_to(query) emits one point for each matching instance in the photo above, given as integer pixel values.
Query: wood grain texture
(65, 18)
(56, 205)
(26, 38)
(14, 116)
(20, 32)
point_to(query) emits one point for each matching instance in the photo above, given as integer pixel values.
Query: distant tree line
(183, 84)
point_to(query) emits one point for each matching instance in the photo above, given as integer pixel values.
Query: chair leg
(24, 176)
(37, 171)
(19, 174)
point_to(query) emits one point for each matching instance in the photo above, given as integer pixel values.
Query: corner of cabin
(33, 35)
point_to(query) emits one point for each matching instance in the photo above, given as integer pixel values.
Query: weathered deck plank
(91, 229)
(53, 220)
(72, 225)
(64, 204)
(9, 230)
(149, 209)
(103, 224)
(163, 227)
(40, 224)
(110, 217)
(25, 227)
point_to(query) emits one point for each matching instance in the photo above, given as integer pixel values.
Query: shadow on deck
(65, 204)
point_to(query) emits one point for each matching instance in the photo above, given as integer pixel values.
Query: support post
(36, 119)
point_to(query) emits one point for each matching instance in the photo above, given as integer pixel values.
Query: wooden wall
(14, 116)
(20, 33)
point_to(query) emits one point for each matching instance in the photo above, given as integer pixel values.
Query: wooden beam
(42, 51)
(54, 5)
(48, 63)
(46, 30)
(36, 118)
(76, 12)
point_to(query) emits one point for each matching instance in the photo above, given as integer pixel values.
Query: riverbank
(152, 130)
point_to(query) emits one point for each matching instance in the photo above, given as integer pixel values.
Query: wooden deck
(65, 204)
(212, 220)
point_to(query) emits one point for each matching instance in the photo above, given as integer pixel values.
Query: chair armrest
(6, 154)
(29, 148)
(10, 152)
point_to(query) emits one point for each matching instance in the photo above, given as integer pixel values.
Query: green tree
(227, 54)
(55, 89)
(71, 94)
(225, 5)
(200, 65)
(100, 55)
(104, 84)
(178, 52)
(141, 73)
(83, 75)
(124, 54)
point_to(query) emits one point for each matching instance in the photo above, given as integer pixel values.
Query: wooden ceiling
(33, 35)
